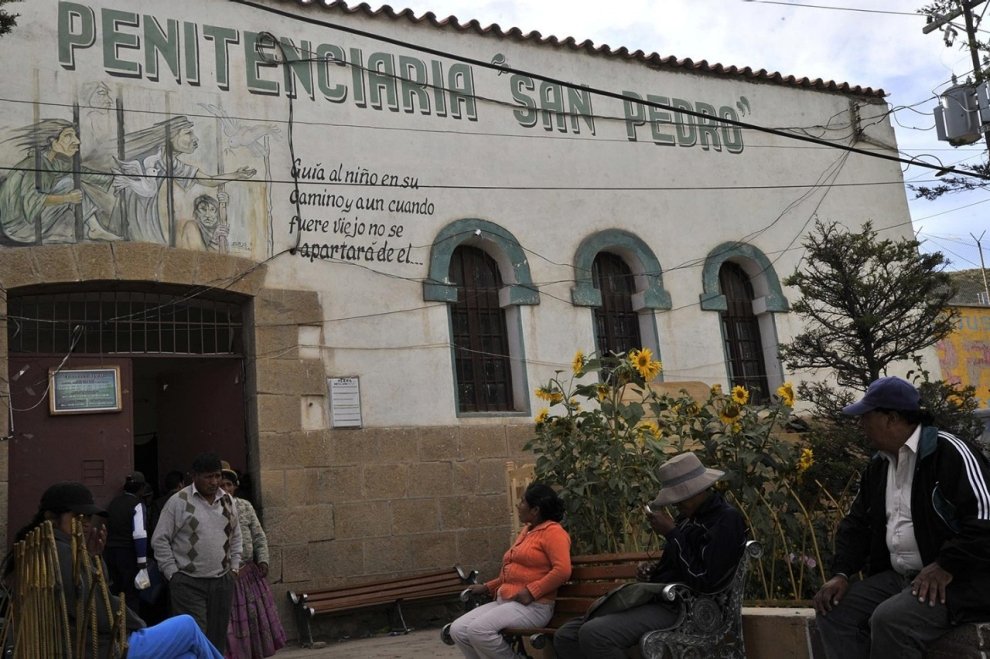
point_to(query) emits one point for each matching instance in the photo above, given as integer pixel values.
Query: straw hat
(682, 477)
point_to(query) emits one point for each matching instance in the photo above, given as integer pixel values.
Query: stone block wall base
(964, 642)
(779, 633)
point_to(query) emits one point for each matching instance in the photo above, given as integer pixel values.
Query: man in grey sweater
(197, 544)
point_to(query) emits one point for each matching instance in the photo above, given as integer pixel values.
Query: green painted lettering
(381, 76)
(259, 52)
(633, 113)
(579, 101)
(658, 117)
(460, 81)
(527, 115)
(114, 41)
(707, 126)
(552, 103)
(439, 92)
(684, 124)
(190, 32)
(328, 54)
(731, 135)
(76, 29)
(357, 66)
(221, 38)
(166, 42)
(298, 68)
(412, 73)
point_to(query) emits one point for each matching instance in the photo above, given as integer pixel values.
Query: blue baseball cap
(890, 393)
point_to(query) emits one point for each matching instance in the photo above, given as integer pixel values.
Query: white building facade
(342, 248)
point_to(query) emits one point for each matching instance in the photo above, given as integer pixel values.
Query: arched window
(616, 323)
(741, 329)
(481, 345)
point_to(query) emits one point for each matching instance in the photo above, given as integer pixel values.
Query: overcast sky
(872, 43)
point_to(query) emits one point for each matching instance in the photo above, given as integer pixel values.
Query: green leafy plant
(601, 441)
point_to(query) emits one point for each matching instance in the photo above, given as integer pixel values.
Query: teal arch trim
(584, 294)
(743, 253)
(480, 233)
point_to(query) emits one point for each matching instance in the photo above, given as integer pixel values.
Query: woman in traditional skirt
(254, 630)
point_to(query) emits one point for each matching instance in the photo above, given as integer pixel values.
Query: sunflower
(543, 393)
(601, 392)
(556, 397)
(716, 390)
(730, 414)
(574, 404)
(652, 428)
(740, 395)
(786, 394)
(806, 460)
(642, 360)
(577, 364)
(542, 415)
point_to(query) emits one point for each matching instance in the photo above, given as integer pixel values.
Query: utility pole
(983, 267)
(967, 11)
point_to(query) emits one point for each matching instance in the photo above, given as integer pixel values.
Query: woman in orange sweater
(536, 565)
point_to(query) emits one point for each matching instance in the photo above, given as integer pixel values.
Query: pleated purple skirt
(254, 630)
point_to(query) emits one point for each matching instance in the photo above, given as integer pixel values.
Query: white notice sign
(345, 402)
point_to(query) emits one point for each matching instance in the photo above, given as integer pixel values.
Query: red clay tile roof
(652, 60)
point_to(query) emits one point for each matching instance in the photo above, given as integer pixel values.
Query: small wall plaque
(345, 402)
(82, 390)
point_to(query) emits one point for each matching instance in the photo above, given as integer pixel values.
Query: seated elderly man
(919, 527)
(704, 544)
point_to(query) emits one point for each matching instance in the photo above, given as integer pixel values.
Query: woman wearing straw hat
(704, 544)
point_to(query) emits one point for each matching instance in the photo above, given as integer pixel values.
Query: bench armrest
(675, 591)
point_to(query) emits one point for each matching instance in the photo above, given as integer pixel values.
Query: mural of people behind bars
(87, 179)
(150, 156)
(49, 195)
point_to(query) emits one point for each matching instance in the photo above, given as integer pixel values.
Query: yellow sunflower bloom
(716, 390)
(786, 394)
(577, 364)
(651, 427)
(574, 404)
(543, 393)
(806, 460)
(601, 392)
(542, 415)
(730, 414)
(642, 360)
(556, 397)
(740, 395)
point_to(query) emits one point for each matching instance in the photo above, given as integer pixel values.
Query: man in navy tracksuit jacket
(919, 529)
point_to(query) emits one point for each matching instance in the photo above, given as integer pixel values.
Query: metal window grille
(481, 344)
(747, 366)
(616, 324)
(123, 322)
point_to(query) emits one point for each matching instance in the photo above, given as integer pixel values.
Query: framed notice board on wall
(345, 402)
(83, 390)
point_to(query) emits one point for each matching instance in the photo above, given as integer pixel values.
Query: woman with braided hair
(69, 508)
(255, 630)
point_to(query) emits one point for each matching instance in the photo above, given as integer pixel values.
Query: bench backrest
(591, 577)
(423, 586)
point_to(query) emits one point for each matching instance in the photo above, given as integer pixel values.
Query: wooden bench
(705, 621)
(388, 592)
(592, 576)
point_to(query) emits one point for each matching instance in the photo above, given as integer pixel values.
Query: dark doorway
(180, 361)
(184, 407)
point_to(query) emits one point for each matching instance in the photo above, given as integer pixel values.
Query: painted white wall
(377, 325)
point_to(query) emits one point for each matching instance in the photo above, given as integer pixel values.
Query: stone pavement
(419, 643)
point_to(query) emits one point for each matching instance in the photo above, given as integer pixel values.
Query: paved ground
(416, 644)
